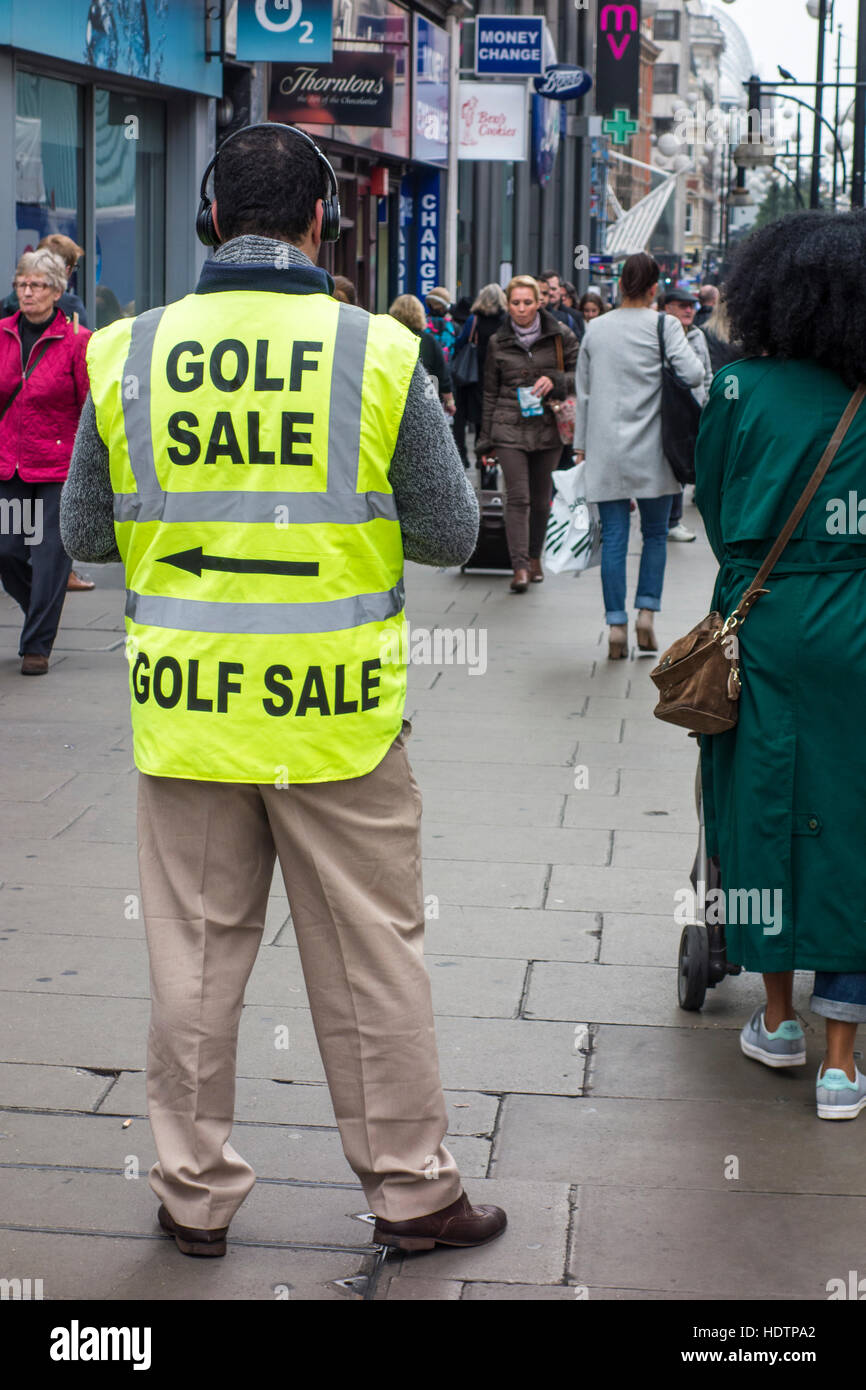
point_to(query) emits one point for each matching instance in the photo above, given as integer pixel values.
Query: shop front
(103, 124)
(379, 109)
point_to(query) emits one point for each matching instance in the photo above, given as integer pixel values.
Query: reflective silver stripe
(198, 615)
(304, 508)
(347, 376)
(136, 411)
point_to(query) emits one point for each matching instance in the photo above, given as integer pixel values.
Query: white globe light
(669, 145)
(788, 113)
(814, 8)
(845, 139)
(681, 161)
(654, 139)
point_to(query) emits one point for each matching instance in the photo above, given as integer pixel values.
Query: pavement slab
(559, 824)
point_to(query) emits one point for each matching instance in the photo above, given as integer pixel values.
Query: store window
(129, 145)
(667, 25)
(666, 78)
(49, 160)
(376, 26)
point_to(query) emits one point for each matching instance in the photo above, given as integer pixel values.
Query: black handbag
(681, 417)
(464, 368)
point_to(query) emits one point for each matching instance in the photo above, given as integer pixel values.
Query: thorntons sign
(355, 89)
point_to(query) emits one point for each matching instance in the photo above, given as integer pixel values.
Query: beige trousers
(351, 861)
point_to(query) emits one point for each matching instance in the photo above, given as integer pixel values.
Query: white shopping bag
(573, 541)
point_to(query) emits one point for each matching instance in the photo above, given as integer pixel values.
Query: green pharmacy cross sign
(620, 127)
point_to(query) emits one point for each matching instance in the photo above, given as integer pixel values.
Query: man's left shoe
(680, 533)
(191, 1241)
(536, 573)
(785, 1047)
(78, 585)
(837, 1097)
(459, 1224)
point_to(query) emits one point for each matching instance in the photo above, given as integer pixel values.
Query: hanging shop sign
(353, 89)
(562, 82)
(428, 217)
(546, 122)
(617, 57)
(508, 45)
(492, 120)
(430, 126)
(285, 31)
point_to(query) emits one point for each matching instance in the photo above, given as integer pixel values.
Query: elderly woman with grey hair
(43, 386)
(484, 319)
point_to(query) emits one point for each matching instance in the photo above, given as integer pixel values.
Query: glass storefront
(49, 160)
(123, 226)
(129, 142)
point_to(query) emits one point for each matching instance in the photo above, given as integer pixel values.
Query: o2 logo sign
(285, 31)
(279, 26)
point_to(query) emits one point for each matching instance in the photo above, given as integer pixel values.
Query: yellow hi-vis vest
(250, 436)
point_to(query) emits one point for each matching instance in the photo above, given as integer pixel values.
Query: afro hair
(797, 289)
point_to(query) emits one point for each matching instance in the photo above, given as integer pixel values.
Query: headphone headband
(204, 223)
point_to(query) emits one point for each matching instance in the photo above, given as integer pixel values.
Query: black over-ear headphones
(204, 224)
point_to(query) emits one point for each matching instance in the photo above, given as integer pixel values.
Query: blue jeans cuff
(644, 601)
(835, 1008)
(617, 616)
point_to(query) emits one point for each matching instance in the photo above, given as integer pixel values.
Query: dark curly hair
(267, 181)
(797, 289)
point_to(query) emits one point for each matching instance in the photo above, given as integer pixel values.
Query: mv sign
(617, 57)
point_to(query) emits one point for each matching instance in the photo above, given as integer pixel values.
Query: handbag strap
(660, 329)
(756, 588)
(560, 360)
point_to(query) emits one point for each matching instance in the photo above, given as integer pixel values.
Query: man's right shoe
(786, 1047)
(33, 665)
(191, 1241)
(837, 1097)
(459, 1224)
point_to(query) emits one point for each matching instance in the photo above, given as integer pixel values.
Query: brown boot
(191, 1241)
(536, 573)
(77, 585)
(520, 582)
(460, 1224)
(33, 665)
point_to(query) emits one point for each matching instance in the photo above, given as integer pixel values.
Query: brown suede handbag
(698, 678)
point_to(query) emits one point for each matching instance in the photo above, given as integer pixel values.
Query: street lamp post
(858, 175)
(815, 184)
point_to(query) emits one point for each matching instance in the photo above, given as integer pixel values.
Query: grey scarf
(252, 249)
(528, 335)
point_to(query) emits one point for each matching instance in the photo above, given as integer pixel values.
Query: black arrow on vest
(194, 561)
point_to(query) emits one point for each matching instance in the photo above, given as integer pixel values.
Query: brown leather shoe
(460, 1224)
(33, 665)
(536, 573)
(520, 582)
(190, 1241)
(77, 584)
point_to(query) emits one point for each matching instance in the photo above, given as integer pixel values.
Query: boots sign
(562, 82)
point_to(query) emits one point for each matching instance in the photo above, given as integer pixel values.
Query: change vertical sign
(617, 57)
(428, 216)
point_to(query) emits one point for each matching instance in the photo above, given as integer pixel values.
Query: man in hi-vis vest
(261, 457)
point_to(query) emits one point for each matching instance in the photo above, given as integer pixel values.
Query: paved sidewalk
(559, 823)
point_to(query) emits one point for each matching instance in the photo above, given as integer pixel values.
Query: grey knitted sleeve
(87, 499)
(436, 503)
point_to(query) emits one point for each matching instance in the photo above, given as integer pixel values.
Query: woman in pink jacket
(43, 386)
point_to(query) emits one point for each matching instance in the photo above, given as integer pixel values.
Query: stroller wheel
(693, 967)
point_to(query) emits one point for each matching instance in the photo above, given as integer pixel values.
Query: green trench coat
(785, 790)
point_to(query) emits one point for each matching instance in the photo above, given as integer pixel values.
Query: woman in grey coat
(618, 430)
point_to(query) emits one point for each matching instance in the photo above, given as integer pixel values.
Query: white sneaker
(680, 533)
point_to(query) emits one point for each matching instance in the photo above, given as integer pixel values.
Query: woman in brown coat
(523, 369)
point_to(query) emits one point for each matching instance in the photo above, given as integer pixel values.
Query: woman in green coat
(785, 790)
